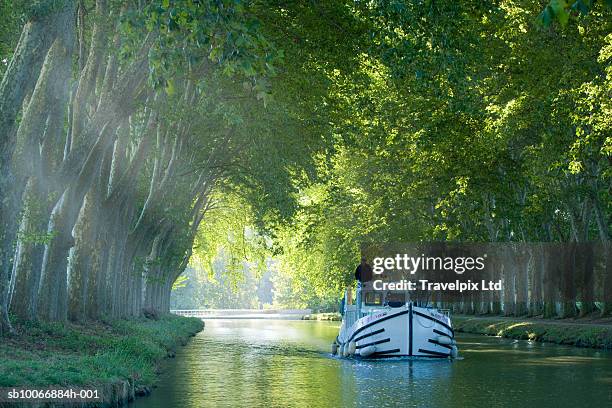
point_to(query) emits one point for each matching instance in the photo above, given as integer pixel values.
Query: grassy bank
(330, 317)
(559, 332)
(119, 357)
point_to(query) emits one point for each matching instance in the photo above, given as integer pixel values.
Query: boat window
(395, 299)
(373, 299)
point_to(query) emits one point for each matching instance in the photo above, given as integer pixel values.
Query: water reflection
(399, 382)
(263, 363)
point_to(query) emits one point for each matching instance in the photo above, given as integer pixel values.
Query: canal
(274, 363)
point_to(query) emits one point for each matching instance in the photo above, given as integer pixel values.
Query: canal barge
(389, 325)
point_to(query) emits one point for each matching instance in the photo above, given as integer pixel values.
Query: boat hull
(407, 331)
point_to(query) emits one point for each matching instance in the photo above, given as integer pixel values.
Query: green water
(264, 363)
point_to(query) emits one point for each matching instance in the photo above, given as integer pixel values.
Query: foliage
(459, 121)
(580, 335)
(91, 355)
(263, 131)
(561, 10)
(9, 30)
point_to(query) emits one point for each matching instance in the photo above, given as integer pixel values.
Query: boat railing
(351, 315)
(445, 312)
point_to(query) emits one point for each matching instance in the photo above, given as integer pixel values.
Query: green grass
(91, 355)
(580, 335)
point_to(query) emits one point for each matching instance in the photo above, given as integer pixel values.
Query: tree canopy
(130, 130)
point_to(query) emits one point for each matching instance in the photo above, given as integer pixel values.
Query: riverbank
(327, 317)
(120, 358)
(575, 332)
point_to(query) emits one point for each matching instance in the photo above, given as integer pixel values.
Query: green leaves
(561, 11)
(339, 123)
(582, 6)
(192, 34)
(457, 126)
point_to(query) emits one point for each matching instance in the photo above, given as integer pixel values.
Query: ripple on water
(263, 363)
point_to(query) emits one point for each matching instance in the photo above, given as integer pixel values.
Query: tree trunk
(552, 271)
(607, 280)
(29, 253)
(18, 81)
(509, 284)
(537, 268)
(80, 264)
(495, 273)
(522, 265)
(52, 304)
(587, 303)
(93, 307)
(568, 301)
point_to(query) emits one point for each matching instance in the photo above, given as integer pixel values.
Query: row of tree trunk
(97, 216)
(550, 280)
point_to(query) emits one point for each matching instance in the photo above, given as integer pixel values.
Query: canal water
(273, 363)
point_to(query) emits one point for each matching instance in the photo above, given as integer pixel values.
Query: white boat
(387, 325)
